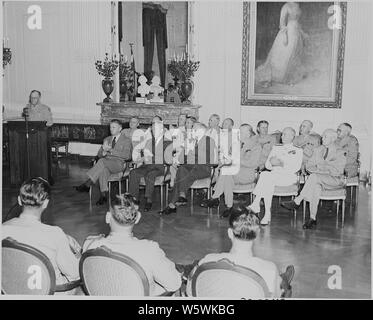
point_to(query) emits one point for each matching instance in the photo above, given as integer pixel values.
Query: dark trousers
(186, 175)
(149, 172)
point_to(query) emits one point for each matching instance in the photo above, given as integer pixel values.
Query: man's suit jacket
(204, 152)
(334, 163)
(350, 145)
(122, 150)
(155, 151)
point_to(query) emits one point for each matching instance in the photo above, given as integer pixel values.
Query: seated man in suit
(246, 173)
(307, 141)
(113, 154)
(350, 145)
(121, 218)
(133, 126)
(150, 158)
(34, 196)
(326, 168)
(283, 163)
(213, 130)
(36, 111)
(265, 140)
(243, 229)
(195, 165)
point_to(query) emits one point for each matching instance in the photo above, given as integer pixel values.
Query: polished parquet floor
(191, 234)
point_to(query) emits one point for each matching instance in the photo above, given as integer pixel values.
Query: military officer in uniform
(350, 145)
(283, 163)
(36, 111)
(265, 140)
(307, 141)
(326, 168)
(114, 152)
(246, 173)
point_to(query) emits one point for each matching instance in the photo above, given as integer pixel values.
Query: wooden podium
(38, 147)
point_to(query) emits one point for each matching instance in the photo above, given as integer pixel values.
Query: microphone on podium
(25, 113)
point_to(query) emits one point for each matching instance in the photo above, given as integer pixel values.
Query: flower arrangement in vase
(125, 77)
(182, 68)
(107, 69)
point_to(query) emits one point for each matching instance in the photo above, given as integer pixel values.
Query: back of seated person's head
(243, 225)
(34, 194)
(123, 212)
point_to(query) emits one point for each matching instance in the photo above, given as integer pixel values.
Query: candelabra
(7, 56)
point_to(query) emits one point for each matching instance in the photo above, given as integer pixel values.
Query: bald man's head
(305, 127)
(288, 135)
(344, 130)
(328, 137)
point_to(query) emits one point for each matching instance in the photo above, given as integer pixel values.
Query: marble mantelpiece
(145, 112)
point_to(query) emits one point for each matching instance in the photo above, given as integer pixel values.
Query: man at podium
(36, 111)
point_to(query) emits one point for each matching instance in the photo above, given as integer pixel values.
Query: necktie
(326, 153)
(113, 142)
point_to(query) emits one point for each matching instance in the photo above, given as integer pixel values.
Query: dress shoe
(167, 211)
(101, 201)
(82, 188)
(210, 203)
(265, 221)
(148, 206)
(181, 201)
(289, 273)
(310, 224)
(226, 213)
(290, 205)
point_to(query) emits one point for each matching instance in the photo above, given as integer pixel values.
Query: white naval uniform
(279, 176)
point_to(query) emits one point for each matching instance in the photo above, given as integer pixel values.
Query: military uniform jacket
(40, 112)
(332, 162)
(291, 157)
(266, 142)
(308, 143)
(350, 146)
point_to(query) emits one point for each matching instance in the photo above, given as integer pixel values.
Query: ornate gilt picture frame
(293, 54)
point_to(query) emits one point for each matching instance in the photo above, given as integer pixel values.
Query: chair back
(225, 279)
(107, 273)
(25, 270)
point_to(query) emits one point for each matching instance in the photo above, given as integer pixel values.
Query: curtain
(154, 26)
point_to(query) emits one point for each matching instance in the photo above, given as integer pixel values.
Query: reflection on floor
(189, 235)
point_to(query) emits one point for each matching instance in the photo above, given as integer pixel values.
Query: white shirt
(266, 269)
(161, 271)
(50, 240)
(291, 156)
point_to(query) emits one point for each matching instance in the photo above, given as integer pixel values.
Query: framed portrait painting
(293, 54)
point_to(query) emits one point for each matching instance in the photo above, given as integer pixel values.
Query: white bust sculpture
(143, 88)
(155, 86)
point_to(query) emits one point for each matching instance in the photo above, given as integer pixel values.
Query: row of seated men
(191, 149)
(64, 252)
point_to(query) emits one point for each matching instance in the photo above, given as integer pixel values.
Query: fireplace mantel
(124, 111)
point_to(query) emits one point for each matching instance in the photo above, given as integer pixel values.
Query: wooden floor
(188, 235)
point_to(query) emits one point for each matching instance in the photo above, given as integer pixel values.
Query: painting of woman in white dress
(292, 53)
(285, 60)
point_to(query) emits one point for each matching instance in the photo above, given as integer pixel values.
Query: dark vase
(186, 90)
(123, 89)
(108, 87)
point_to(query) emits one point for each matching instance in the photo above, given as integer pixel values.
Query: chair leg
(295, 210)
(166, 194)
(109, 194)
(304, 210)
(343, 213)
(90, 196)
(337, 212)
(191, 197)
(162, 196)
(120, 187)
